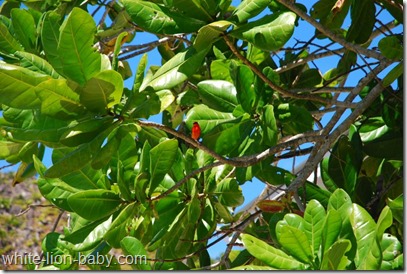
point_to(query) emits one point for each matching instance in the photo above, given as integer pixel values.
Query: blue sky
(251, 189)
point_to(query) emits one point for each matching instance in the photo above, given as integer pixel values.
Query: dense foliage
(149, 189)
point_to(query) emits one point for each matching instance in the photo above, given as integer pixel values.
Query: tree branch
(350, 46)
(321, 149)
(280, 89)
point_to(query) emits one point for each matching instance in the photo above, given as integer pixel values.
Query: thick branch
(321, 149)
(243, 161)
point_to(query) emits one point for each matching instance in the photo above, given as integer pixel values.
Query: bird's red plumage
(196, 131)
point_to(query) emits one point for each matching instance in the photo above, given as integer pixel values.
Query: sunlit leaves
(102, 91)
(162, 157)
(159, 19)
(18, 86)
(269, 33)
(79, 60)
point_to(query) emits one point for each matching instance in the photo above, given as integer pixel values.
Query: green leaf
(218, 95)
(118, 229)
(145, 103)
(206, 117)
(248, 9)
(8, 44)
(331, 229)
(270, 255)
(58, 100)
(159, 19)
(290, 234)
(162, 158)
(102, 91)
(335, 258)
(308, 79)
(229, 193)
(227, 137)
(50, 39)
(245, 89)
(269, 125)
(24, 28)
(345, 161)
(314, 219)
(94, 204)
(368, 254)
(363, 20)
(176, 70)
(384, 222)
(392, 76)
(295, 119)
(17, 87)
(133, 247)
(391, 248)
(210, 33)
(397, 208)
(79, 132)
(79, 59)
(269, 33)
(78, 158)
(195, 8)
(9, 151)
(35, 63)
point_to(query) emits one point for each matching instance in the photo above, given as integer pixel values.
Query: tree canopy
(260, 92)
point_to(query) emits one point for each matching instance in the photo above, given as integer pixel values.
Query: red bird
(196, 131)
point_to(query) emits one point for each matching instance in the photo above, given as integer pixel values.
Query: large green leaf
(208, 34)
(102, 91)
(291, 235)
(248, 9)
(36, 63)
(218, 95)
(94, 204)
(176, 70)
(17, 87)
(206, 117)
(245, 89)
(50, 39)
(24, 28)
(314, 219)
(58, 100)
(269, 125)
(194, 8)
(162, 158)
(227, 137)
(295, 119)
(118, 229)
(34, 127)
(229, 193)
(368, 254)
(270, 255)
(133, 247)
(78, 158)
(54, 190)
(8, 44)
(363, 15)
(269, 33)
(79, 59)
(159, 19)
(331, 229)
(335, 258)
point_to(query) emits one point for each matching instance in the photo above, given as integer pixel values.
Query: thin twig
(280, 89)
(348, 45)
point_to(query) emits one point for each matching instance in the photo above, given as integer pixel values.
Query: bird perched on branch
(195, 131)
